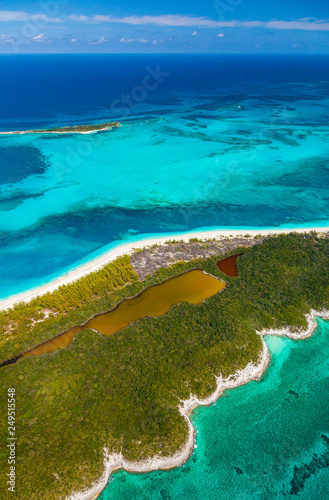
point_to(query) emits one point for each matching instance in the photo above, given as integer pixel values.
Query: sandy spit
(22, 132)
(128, 248)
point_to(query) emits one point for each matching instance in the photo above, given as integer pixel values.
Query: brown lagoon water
(228, 266)
(194, 287)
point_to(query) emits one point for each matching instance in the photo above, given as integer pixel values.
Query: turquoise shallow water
(225, 142)
(266, 440)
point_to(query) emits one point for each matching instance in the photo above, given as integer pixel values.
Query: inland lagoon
(194, 287)
(228, 265)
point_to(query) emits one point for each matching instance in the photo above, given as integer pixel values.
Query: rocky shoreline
(250, 372)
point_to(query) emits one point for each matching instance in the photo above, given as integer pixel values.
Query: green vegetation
(82, 128)
(74, 129)
(70, 305)
(122, 392)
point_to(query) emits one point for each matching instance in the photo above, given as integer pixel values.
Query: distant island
(77, 129)
(105, 401)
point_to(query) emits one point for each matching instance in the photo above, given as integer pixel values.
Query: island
(120, 397)
(77, 129)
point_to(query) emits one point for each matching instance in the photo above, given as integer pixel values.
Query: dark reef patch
(10, 200)
(304, 472)
(293, 394)
(19, 162)
(305, 173)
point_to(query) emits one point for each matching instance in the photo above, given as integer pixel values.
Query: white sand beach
(128, 248)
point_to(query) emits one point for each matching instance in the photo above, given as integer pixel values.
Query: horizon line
(162, 53)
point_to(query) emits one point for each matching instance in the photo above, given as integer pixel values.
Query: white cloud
(13, 16)
(166, 20)
(39, 38)
(170, 20)
(308, 19)
(195, 33)
(16, 16)
(142, 40)
(305, 24)
(7, 39)
(220, 35)
(97, 42)
(75, 17)
(299, 25)
(317, 25)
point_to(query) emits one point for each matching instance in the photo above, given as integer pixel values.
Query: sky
(164, 26)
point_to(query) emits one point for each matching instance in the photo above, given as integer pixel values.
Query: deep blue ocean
(225, 141)
(207, 141)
